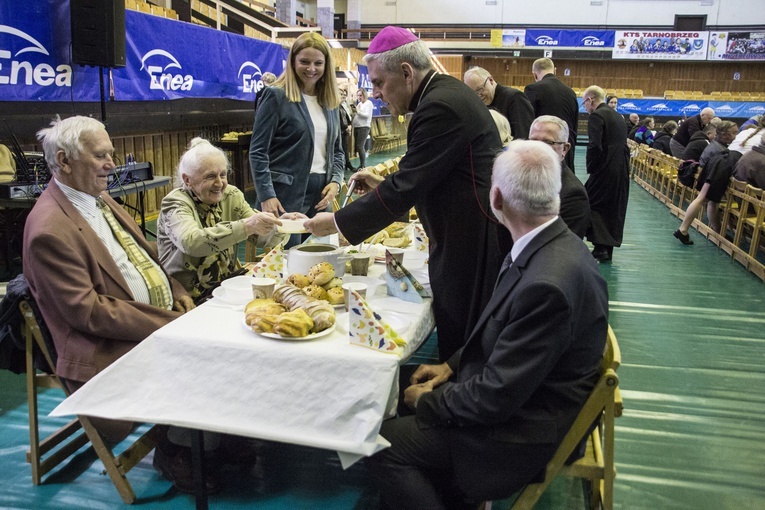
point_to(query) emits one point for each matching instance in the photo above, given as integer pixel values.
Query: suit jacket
(526, 369)
(281, 149)
(84, 299)
(446, 175)
(550, 96)
(608, 184)
(574, 204)
(514, 105)
(687, 130)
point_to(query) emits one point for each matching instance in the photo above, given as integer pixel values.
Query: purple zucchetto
(390, 38)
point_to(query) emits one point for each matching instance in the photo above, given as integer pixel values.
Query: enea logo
(546, 40)
(724, 108)
(42, 73)
(628, 105)
(659, 107)
(690, 107)
(161, 78)
(757, 109)
(251, 77)
(592, 41)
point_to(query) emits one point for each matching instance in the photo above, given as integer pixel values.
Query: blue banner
(686, 108)
(171, 60)
(570, 38)
(35, 60)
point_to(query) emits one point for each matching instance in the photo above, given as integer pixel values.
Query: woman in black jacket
(664, 135)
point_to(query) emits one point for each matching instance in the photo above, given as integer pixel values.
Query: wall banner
(593, 39)
(660, 45)
(737, 46)
(35, 63)
(679, 109)
(171, 60)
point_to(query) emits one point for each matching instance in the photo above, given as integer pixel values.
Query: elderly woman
(203, 220)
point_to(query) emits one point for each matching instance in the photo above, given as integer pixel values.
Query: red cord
(475, 189)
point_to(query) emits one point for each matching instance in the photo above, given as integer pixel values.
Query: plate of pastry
(276, 336)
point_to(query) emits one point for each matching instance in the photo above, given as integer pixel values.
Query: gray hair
(194, 159)
(66, 135)
(596, 93)
(416, 53)
(552, 119)
(503, 126)
(543, 64)
(528, 176)
(479, 72)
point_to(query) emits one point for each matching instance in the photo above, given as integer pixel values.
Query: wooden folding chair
(45, 455)
(597, 466)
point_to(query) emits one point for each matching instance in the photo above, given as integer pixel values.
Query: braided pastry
(296, 323)
(321, 312)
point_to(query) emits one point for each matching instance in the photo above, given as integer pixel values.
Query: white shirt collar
(525, 239)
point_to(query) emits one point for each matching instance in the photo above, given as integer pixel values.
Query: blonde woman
(362, 123)
(296, 153)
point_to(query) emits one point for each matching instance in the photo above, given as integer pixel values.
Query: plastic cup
(263, 288)
(360, 264)
(360, 288)
(397, 253)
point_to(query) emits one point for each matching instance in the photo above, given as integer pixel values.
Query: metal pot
(304, 256)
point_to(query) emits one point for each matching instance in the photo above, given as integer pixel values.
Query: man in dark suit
(609, 181)
(508, 101)
(574, 204)
(445, 174)
(687, 129)
(487, 422)
(550, 96)
(100, 290)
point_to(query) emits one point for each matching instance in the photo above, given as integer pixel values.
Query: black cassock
(608, 183)
(446, 175)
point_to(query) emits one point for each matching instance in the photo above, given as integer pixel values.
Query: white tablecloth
(206, 370)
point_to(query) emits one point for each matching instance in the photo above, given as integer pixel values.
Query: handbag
(686, 172)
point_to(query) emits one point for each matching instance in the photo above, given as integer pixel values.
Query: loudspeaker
(98, 32)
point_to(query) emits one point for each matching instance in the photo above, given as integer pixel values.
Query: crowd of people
(520, 307)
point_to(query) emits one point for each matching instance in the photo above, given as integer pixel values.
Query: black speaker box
(98, 32)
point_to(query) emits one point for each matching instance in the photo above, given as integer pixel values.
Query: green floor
(690, 323)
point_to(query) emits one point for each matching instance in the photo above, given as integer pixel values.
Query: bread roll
(321, 273)
(316, 292)
(335, 296)
(298, 280)
(334, 282)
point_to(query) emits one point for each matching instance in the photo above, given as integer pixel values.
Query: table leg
(198, 468)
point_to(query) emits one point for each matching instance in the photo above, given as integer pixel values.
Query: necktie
(159, 294)
(505, 266)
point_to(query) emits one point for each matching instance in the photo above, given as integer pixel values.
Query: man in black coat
(510, 102)
(445, 174)
(687, 129)
(550, 96)
(574, 204)
(608, 166)
(488, 421)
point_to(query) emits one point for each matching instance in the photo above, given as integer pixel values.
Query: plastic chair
(597, 466)
(77, 433)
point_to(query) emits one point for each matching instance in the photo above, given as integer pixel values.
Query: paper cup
(360, 288)
(263, 288)
(360, 264)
